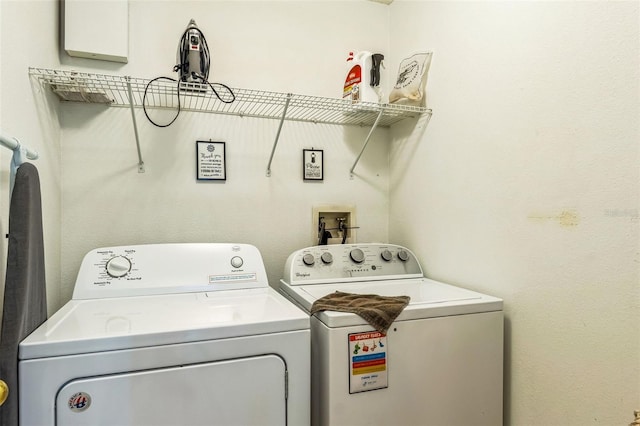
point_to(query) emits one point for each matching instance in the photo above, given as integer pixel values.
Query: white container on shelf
(359, 85)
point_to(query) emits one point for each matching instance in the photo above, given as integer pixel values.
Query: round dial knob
(236, 261)
(386, 255)
(308, 259)
(118, 266)
(326, 257)
(403, 255)
(357, 255)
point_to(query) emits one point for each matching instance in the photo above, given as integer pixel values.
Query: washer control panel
(350, 262)
(168, 268)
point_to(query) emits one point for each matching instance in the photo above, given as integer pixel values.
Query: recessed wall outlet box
(96, 29)
(333, 224)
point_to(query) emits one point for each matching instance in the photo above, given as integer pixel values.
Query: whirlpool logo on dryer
(79, 402)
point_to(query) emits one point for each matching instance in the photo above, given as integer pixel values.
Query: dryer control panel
(153, 269)
(350, 262)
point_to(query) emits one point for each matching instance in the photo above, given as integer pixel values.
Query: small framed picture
(211, 160)
(312, 164)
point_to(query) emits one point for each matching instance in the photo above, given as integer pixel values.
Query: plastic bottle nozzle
(376, 60)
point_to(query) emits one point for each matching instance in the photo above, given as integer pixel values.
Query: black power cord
(181, 67)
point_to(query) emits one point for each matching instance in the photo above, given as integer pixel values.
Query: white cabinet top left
(96, 29)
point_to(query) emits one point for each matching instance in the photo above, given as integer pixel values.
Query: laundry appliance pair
(191, 334)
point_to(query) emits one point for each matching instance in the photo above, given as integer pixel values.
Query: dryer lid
(96, 325)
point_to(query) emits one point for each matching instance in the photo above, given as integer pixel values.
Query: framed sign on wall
(211, 160)
(312, 164)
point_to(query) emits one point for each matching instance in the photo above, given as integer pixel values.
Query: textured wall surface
(525, 185)
(24, 116)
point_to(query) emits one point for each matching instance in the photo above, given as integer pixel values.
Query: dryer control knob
(308, 259)
(118, 266)
(357, 255)
(403, 255)
(236, 261)
(326, 258)
(386, 255)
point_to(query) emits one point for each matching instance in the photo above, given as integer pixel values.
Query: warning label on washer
(368, 361)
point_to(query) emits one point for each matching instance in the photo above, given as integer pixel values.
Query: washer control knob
(326, 258)
(386, 255)
(308, 259)
(357, 255)
(236, 261)
(118, 266)
(403, 255)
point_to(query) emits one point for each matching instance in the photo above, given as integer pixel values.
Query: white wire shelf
(113, 90)
(163, 93)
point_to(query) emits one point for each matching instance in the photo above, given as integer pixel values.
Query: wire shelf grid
(74, 86)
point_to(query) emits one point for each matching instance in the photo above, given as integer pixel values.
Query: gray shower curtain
(25, 301)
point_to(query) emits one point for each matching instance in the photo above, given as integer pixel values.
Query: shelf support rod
(275, 143)
(135, 126)
(366, 141)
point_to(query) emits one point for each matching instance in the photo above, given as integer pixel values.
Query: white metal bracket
(366, 141)
(135, 126)
(275, 143)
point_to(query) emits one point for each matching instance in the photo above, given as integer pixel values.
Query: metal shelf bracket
(135, 126)
(275, 143)
(366, 141)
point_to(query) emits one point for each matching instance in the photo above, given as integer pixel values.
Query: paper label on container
(352, 83)
(367, 361)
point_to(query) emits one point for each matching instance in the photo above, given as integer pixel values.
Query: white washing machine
(169, 334)
(439, 364)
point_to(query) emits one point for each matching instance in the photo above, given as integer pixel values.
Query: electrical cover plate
(96, 29)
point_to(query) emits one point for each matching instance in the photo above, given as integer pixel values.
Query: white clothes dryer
(439, 364)
(169, 334)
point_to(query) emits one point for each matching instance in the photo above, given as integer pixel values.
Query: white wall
(28, 35)
(298, 47)
(525, 185)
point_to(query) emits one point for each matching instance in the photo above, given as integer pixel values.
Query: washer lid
(429, 299)
(96, 325)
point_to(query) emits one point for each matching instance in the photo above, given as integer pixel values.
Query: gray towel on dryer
(25, 301)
